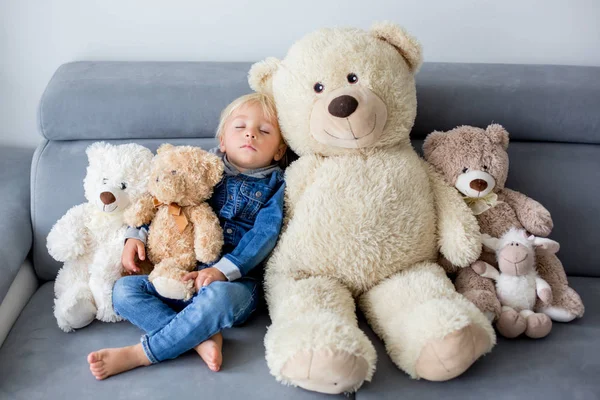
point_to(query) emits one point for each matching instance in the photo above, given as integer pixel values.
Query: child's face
(250, 139)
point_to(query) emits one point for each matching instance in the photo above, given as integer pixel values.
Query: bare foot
(108, 362)
(210, 351)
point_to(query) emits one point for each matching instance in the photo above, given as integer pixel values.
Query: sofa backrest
(550, 111)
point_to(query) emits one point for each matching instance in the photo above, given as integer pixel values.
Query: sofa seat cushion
(39, 361)
(564, 365)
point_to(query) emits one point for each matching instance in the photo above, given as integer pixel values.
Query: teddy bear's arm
(69, 238)
(208, 235)
(458, 231)
(298, 177)
(141, 212)
(533, 216)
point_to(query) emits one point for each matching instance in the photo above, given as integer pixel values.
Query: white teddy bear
(89, 237)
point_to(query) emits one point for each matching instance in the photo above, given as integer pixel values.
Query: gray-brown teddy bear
(475, 161)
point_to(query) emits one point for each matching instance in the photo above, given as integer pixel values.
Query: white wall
(36, 36)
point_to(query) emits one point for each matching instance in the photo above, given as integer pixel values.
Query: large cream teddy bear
(365, 218)
(88, 239)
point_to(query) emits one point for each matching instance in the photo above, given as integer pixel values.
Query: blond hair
(265, 102)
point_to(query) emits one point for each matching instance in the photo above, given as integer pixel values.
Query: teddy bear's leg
(538, 325)
(104, 272)
(167, 277)
(430, 331)
(74, 305)
(511, 323)
(566, 303)
(314, 341)
(480, 291)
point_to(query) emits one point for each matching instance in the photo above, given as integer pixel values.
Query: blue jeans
(174, 326)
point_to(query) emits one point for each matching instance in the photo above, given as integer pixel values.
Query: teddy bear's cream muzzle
(348, 117)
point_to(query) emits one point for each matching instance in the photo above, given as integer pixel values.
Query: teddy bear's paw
(173, 288)
(511, 324)
(538, 326)
(326, 370)
(487, 302)
(448, 357)
(566, 305)
(74, 314)
(107, 314)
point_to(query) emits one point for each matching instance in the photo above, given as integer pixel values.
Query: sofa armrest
(22, 288)
(15, 224)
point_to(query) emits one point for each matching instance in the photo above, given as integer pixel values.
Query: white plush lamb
(89, 237)
(517, 283)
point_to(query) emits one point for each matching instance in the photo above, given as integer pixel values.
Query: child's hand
(205, 277)
(132, 248)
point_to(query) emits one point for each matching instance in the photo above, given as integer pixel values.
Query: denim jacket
(250, 209)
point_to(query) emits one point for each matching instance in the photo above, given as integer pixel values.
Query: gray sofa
(552, 113)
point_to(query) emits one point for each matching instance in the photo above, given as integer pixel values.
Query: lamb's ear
(547, 245)
(260, 76)
(490, 244)
(406, 45)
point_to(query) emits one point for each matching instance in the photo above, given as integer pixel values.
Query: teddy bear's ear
(498, 134)
(432, 141)
(163, 147)
(260, 76)
(214, 169)
(406, 45)
(95, 150)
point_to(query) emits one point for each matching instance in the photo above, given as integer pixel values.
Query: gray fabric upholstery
(547, 103)
(15, 223)
(127, 100)
(38, 361)
(564, 365)
(136, 100)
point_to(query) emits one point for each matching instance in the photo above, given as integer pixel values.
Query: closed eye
(239, 127)
(263, 131)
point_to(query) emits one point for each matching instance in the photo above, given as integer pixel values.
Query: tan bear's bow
(175, 210)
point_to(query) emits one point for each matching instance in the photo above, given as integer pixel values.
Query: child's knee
(124, 288)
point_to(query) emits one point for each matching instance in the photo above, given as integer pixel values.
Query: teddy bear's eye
(319, 87)
(173, 172)
(352, 78)
(485, 167)
(465, 169)
(104, 180)
(123, 186)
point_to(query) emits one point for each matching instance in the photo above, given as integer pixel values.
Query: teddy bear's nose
(343, 106)
(107, 198)
(478, 184)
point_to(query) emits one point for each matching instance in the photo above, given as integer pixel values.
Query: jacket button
(258, 194)
(229, 230)
(230, 197)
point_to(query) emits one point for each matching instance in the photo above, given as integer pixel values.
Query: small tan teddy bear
(475, 162)
(184, 228)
